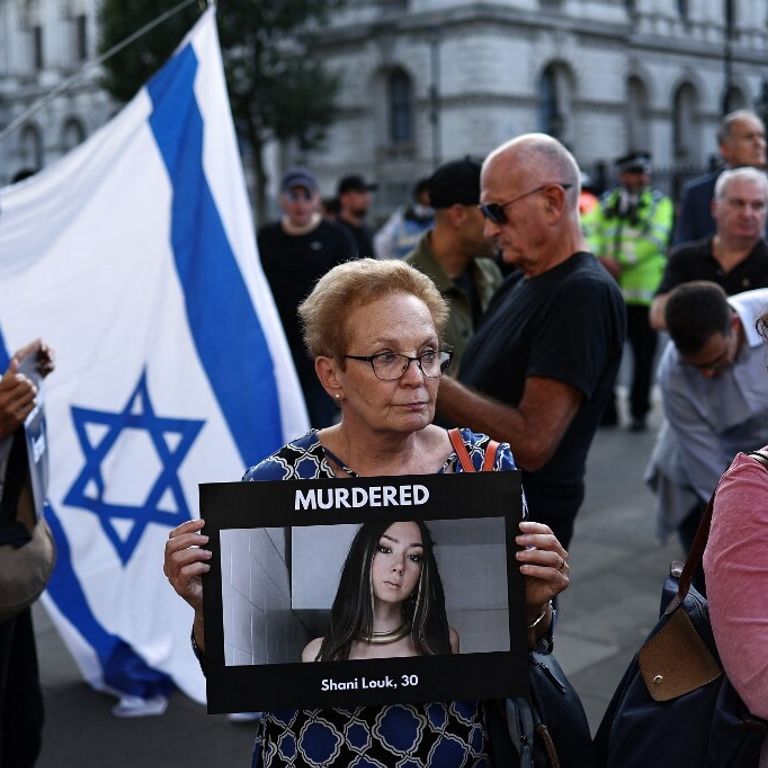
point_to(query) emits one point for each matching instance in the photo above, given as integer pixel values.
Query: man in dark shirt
(741, 139)
(736, 256)
(354, 196)
(295, 253)
(540, 368)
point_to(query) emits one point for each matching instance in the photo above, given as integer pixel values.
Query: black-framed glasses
(495, 211)
(390, 366)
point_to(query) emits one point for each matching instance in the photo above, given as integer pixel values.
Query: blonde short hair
(354, 284)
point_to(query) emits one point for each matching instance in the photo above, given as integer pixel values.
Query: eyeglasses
(390, 366)
(495, 211)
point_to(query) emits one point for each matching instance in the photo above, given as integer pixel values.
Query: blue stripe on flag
(225, 327)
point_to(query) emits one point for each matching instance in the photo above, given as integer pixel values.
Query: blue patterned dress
(435, 735)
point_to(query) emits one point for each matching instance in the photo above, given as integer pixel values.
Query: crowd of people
(500, 265)
(497, 302)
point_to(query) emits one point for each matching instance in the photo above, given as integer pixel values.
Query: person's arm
(700, 447)
(184, 565)
(454, 640)
(656, 314)
(311, 650)
(593, 225)
(17, 399)
(737, 580)
(533, 430)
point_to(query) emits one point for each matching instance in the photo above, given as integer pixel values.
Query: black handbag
(548, 731)
(675, 705)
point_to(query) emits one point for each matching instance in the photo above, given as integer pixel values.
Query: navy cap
(637, 162)
(455, 183)
(298, 177)
(354, 183)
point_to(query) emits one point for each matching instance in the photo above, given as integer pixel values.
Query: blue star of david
(88, 490)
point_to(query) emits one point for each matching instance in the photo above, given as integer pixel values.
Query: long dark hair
(352, 611)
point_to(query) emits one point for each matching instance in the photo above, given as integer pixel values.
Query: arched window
(31, 147)
(734, 99)
(72, 134)
(638, 128)
(400, 107)
(555, 87)
(685, 129)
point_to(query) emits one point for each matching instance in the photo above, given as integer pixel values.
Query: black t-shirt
(292, 265)
(694, 261)
(566, 324)
(362, 237)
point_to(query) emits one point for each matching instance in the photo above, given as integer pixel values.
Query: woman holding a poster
(390, 600)
(374, 329)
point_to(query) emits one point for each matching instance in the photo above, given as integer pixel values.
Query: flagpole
(70, 81)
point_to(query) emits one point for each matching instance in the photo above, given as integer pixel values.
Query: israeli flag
(134, 258)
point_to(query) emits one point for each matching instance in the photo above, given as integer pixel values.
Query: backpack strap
(463, 455)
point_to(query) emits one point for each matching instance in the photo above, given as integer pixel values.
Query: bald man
(540, 368)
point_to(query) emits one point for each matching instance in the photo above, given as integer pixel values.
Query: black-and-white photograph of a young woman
(390, 600)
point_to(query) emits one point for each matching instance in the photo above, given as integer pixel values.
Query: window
(31, 147)
(80, 37)
(400, 104)
(682, 8)
(555, 88)
(685, 129)
(638, 129)
(734, 99)
(72, 134)
(36, 35)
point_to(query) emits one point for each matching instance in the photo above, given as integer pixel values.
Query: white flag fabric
(134, 258)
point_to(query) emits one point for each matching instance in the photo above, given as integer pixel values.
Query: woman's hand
(185, 562)
(544, 565)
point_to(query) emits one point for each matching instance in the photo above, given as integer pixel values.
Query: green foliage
(277, 90)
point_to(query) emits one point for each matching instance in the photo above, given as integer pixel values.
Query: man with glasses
(736, 256)
(455, 254)
(540, 368)
(295, 252)
(712, 379)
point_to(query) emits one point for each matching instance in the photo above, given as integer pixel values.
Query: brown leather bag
(26, 569)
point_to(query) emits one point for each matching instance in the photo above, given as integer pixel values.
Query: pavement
(617, 569)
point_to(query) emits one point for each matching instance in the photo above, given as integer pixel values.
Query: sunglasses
(495, 211)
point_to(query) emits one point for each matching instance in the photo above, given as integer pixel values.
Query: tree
(276, 89)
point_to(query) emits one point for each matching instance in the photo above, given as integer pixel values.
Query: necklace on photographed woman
(390, 636)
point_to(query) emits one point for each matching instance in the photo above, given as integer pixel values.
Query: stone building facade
(428, 80)
(42, 43)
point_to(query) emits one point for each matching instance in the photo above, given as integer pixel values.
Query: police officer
(629, 231)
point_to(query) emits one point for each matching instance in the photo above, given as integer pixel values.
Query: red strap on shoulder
(490, 455)
(461, 451)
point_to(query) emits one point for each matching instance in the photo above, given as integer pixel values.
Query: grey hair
(745, 173)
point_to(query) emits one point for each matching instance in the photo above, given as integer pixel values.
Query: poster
(429, 549)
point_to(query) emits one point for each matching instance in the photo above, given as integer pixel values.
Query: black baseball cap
(455, 183)
(354, 183)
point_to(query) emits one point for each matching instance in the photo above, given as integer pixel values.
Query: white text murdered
(375, 496)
